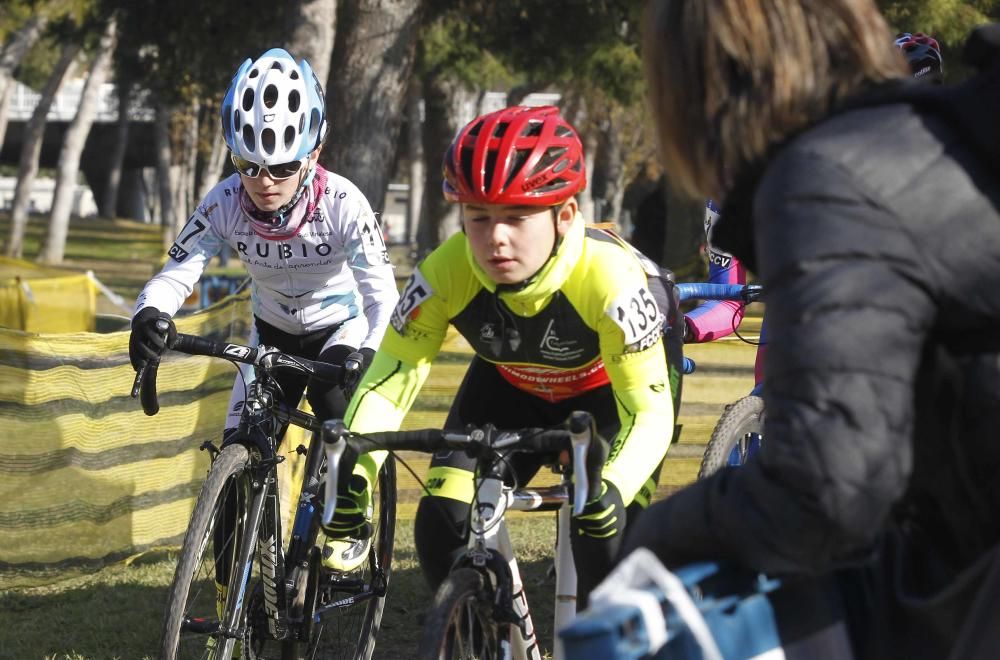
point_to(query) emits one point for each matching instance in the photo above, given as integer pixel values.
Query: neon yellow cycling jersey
(585, 320)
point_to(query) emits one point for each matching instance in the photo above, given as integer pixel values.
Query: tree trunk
(164, 172)
(574, 109)
(312, 26)
(211, 171)
(584, 198)
(685, 229)
(73, 143)
(373, 58)
(31, 147)
(447, 107)
(188, 162)
(14, 50)
(608, 182)
(415, 148)
(109, 200)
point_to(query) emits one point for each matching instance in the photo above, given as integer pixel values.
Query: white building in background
(40, 200)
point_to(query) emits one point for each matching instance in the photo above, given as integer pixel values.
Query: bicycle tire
(732, 439)
(350, 632)
(460, 623)
(192, 595)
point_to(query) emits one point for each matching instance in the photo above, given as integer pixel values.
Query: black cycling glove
(147, 341)
(357, 364)
(602, 517)
(353, 515)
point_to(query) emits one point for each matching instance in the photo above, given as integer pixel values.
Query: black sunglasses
(276, 172)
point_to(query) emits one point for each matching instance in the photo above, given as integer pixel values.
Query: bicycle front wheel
(349, 605)
(460, 624)
(736, 437)
(191, 624)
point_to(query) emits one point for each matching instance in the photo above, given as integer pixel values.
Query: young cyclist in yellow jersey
(562, 317)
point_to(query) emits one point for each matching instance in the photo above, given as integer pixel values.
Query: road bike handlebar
(746, 293)
(262, 357)
(578, 435)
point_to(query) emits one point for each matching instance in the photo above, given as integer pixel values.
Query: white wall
(41, 197)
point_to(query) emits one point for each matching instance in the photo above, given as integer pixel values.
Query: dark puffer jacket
(877, 237)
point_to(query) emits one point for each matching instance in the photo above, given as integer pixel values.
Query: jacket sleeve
(629, 331)
(186, 260)
(714, 319)
(373, 273)
(849, 309)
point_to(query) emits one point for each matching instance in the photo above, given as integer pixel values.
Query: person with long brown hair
(868, 206)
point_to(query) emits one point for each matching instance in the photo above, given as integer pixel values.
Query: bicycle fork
(263, 526)
(489, 532)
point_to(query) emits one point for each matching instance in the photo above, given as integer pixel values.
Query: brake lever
(163, 327)
(334, 434)
(580, 439)
(138, 381)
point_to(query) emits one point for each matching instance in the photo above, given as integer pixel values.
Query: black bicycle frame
(263, 521)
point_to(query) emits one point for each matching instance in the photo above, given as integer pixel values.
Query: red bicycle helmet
(923, 53)
(519, 155)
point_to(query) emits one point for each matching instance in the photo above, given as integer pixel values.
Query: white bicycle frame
(488, 531)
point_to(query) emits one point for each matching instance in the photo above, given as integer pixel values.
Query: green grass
(116, 612)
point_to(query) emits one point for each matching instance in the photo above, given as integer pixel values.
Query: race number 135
(636, 314)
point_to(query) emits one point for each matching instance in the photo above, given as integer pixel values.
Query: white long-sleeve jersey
(334, 269)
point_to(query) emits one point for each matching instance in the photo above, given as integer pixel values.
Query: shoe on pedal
(345, 555)
(348, 536)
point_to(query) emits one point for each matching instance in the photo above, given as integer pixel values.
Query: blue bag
(701, 612)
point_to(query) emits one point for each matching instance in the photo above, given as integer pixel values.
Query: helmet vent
(532, 129)
(253, 73)
(563, 131)
(247, 100)
(293, 101)
(520, 156)
(237, 118)
(270, 96)
(289, 136)
(248, 138)
(294, 75)
(490, 169)
(549, 157)
(466, 163)
(267, 141)
(314, 122)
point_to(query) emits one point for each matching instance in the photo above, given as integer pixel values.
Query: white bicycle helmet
(274, 111)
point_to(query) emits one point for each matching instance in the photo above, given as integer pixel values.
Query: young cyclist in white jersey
(322, 285)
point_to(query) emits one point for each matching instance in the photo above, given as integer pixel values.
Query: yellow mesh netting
(36, 299)
(86, 477)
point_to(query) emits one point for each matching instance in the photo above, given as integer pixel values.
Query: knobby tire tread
(457, 587)
(230, 462)
(744, 416)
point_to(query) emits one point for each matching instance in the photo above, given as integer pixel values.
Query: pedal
(200, 625)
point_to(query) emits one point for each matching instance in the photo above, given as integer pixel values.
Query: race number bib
(639, 317)
(193, 232)
(371, 240)
(416, 291)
